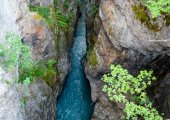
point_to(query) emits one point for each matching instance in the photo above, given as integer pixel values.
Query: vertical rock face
(9, 97)
(121, 39)
(38, 101)
(163, 96)
(66, 37)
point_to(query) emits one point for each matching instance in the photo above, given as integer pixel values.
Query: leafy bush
(121, 86)
(16, 54)
(156, 7)
(38, 69)
(14, 49)
(52, 15)
(66, 4)
(44, 13)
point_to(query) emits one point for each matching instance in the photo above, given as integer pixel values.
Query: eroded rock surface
(121, 39)
(38, 100)
(164, 95)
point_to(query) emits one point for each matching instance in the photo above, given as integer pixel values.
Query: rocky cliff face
(119, 38)
(38, 101)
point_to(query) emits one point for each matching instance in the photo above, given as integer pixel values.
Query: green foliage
(23, 101)
(52, 16)
(44, 12)
(142, 15)
(94, 10)
(63, 21)
(56, 2)
(123, 87)
(78, 2)
(56, 18)
(17, 54)
(51, 73)
(156, 7)
(37, 69)
(10, 54)
(66, 4)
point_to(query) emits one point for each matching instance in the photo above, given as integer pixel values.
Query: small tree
(121, 86)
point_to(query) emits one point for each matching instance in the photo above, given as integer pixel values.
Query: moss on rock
(92, 59)
(142, 15)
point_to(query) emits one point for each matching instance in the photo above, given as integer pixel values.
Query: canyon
(114, 36)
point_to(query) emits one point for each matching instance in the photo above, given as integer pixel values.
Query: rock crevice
(38, 100)
(119, 38)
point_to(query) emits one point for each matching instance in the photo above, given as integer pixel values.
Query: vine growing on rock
(18, 55)
(123, 87)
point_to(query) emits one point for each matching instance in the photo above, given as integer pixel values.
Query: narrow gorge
(75, 100)
(84, 60)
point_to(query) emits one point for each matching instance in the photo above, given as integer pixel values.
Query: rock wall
(66, 37)
(121, 39)
(38, 100)
(9, 97)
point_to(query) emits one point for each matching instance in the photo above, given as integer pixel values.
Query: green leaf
(120, 85)
(27, 81)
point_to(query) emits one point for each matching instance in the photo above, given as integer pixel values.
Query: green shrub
(12, 51)
(121, 86)
(143, 8)
(42, 11)
(39, 69)
(156, 7)
(53, 16)
(16, 54)
(56, 19)
(66, 4)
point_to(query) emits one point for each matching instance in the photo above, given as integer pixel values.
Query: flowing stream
(75, 102)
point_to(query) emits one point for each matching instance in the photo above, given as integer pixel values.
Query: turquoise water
(75, 103)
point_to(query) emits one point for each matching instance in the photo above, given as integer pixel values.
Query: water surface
(75, 102)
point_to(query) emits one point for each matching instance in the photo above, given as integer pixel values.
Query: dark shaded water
(75, 102)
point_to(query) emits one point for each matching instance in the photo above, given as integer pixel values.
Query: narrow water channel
(75, 102)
